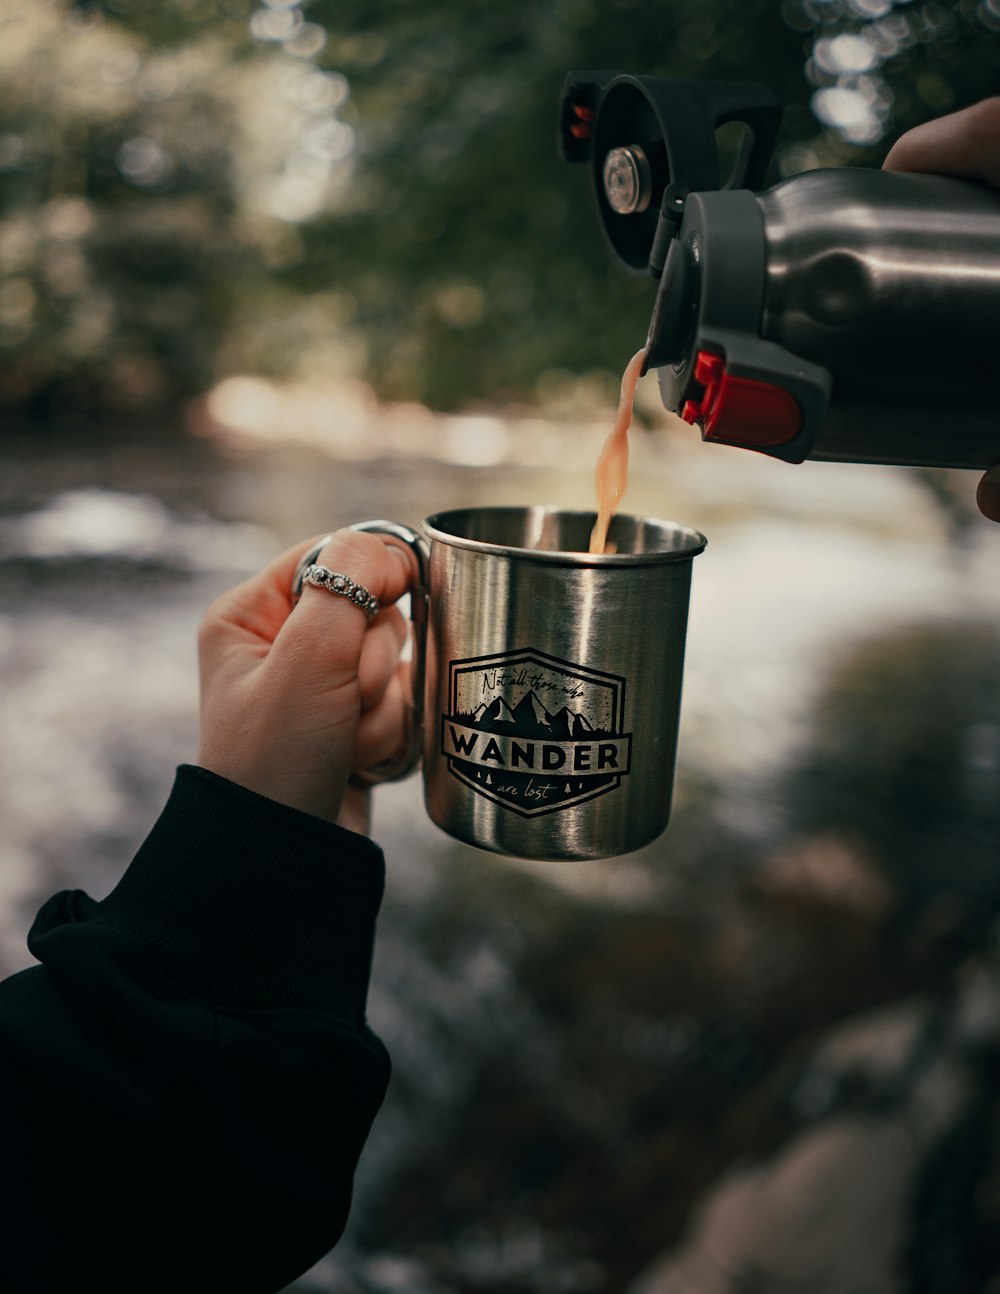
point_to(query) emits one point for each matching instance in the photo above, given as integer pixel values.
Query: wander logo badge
(535, 733)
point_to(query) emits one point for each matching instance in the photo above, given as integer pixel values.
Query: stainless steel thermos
(845, 314)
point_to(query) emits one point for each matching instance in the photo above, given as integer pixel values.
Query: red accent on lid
(741, 410)
(581, 130)
(583, 112)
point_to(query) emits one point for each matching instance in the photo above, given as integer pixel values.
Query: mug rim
(694, 541)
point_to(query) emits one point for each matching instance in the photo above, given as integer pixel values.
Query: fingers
(253, 613)
(964, 144)
(988, 494)
(380, 655)
(382, 565)
(284, 691)
(250, 615)
(383, 730)
(327, 631)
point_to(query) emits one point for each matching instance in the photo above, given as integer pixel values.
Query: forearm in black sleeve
(187, 1080)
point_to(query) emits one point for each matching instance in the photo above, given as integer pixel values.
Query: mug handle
(402, 537)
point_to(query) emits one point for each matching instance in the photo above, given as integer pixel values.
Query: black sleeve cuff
(243, 903)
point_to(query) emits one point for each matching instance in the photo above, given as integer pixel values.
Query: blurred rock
(828, 869)
(827, 1216)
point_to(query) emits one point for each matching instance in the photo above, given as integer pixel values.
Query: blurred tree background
(195, 188)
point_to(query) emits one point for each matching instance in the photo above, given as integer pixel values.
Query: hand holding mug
(547, 720)
(300, 707)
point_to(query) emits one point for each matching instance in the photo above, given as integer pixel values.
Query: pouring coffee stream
(612, 467)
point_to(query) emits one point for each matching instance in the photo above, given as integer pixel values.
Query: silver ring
(323, 578)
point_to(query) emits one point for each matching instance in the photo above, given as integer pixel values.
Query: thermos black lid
(651, 141)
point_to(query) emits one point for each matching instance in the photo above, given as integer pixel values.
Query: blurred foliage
(197, 187)
(116, 238)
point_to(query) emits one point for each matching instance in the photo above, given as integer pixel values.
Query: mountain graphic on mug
(529, 718)
(501, 739)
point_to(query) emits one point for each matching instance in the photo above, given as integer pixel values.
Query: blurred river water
(754, 1056)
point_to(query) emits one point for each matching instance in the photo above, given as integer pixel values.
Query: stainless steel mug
(549, 679)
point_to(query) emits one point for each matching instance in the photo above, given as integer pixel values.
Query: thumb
(326, 633)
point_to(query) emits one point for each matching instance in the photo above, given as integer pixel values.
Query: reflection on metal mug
(547, 680)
